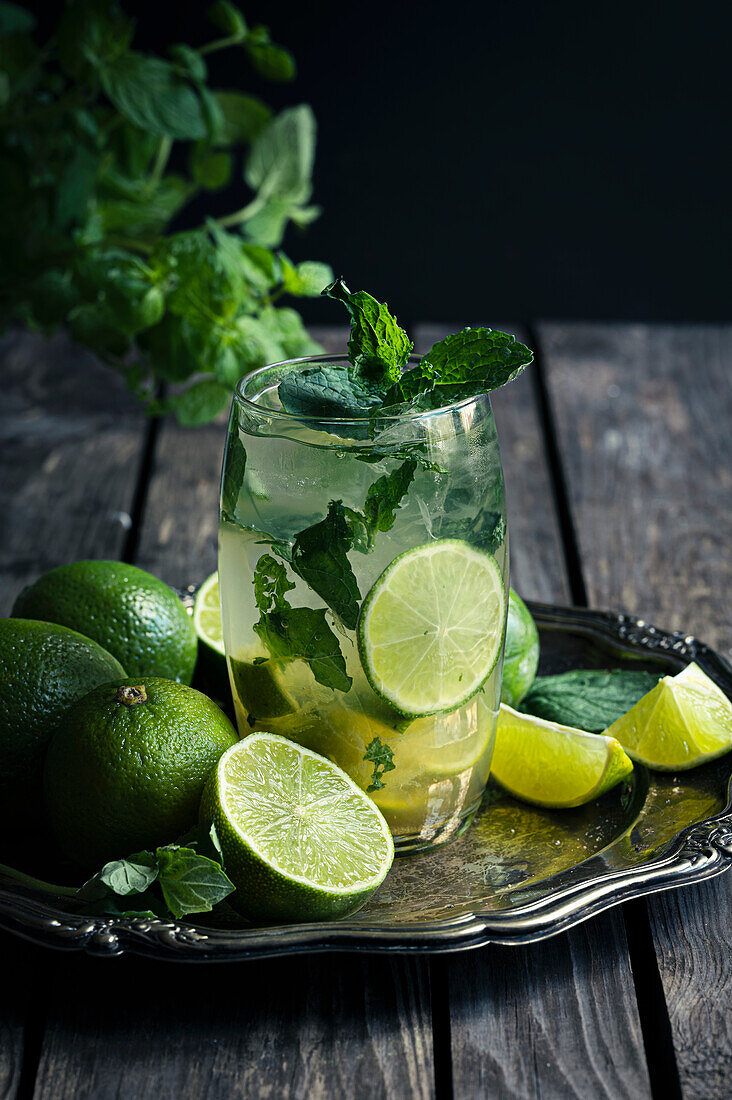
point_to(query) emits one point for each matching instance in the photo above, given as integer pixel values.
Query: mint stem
(36, 883)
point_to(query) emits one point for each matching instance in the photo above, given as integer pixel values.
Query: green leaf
(150, 93)
(15, 20)
(189, 61)
(465, 364)
(90, 34)
(280, 162)
(271, 585)
(209, 168)
(228, 19)
(235, 463)
(200, 403)
(145, 208)
(378, 348)
(205, 275)
(381, 756)
(286, 327)
(191, 883)
(308, 279)
(587, 699)
(245, 117)
(327, 391)
(270, 61)
(385, 495)
(302, 633)
(296, 633)
(320, 557)
(74, 187)
(267, 226)
(132, 875)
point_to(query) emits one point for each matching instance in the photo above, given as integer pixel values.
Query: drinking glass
(281, 472)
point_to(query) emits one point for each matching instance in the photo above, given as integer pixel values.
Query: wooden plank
(644, 419)
(70, 438)
(315, 1027)
(327, 1027)
(556, 1019)
(70, 445)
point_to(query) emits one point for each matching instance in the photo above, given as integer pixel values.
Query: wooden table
(618, 458)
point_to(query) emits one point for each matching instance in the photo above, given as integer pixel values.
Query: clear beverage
(280, 475)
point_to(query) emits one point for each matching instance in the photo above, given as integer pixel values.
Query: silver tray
(517, 875)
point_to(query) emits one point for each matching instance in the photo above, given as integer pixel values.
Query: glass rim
(281, 414)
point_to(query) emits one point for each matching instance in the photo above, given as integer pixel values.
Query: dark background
(505, 160)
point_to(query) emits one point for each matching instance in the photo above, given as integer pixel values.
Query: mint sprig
(379, 381)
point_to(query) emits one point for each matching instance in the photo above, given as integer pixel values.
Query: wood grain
(643, 418)
(326, 1027)
(70, 439)
(557, 1019)
(70, 445)
(320, 1027)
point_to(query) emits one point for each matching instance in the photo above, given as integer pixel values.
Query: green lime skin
(44, 668)
(126, 767)
(135, 616)
(521, 655)
(262, 893)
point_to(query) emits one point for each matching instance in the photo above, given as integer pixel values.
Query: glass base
(434, 837)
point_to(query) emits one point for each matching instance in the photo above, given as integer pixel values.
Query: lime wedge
(431, 628)
(207, 615)
(521, 652)
(555, 766)
(300, 840)
(260, 690)
(682, 722)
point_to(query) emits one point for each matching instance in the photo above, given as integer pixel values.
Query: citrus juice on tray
(364, 573)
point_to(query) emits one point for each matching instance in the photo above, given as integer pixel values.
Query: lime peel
(301, 840)
(684, 721)
(555, 766)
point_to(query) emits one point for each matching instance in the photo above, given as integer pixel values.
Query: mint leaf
(244, 117)
(132, 875)
(307, 279)
(201, 402)
(320, 557)
(382, 757)
(588, 699)
(385, 495)
(465, 364)
(228, 19)
(302, 633)
(190, 883)
(271, 585)
(296, 633)
(151, 94)
(328, 392)
(280, 162)
(15, 20)
(378, 348)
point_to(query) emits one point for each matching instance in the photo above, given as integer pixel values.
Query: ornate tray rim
(700, 851)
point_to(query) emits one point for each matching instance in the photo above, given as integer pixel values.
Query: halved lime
(431, 628)
(300, 840)
(682, 722)
(207, 615)
(555, 766)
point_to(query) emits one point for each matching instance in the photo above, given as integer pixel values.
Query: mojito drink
(364, 576)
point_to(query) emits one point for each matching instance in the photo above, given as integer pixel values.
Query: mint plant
(102, 148)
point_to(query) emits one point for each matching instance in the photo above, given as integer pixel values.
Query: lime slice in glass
(260, 690)
(683, 721)
(521, 654)
(431, 628)
(300, 840)
(207, 615)
(555, 766)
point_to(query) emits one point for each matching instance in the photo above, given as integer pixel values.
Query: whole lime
(127, 765)
(44, 668)
(135, 616)
(521, 655)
